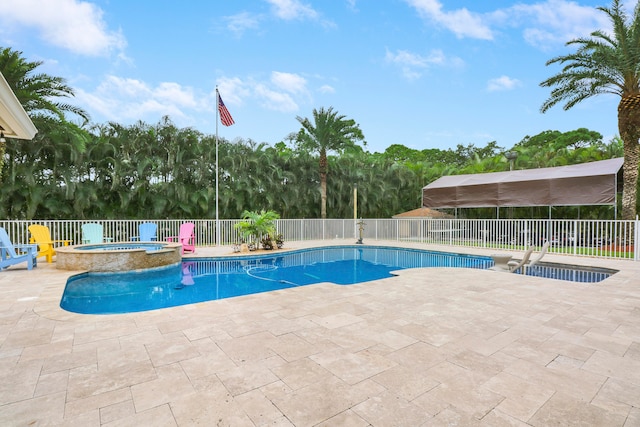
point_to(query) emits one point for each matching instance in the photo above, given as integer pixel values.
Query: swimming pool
(197, 280)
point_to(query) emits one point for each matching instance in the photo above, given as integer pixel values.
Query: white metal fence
(601, 238)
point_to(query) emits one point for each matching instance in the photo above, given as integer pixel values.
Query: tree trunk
(629, 127)
(323, 184)
(323, 195)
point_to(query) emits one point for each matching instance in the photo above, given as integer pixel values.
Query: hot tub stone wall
(69, 258)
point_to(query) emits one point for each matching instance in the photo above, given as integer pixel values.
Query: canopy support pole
(615, 196)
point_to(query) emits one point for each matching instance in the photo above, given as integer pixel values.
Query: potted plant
(258, 227)
(266, 242)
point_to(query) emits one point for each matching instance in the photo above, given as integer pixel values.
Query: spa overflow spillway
(198, 280)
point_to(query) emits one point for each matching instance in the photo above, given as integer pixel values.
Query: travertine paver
(430, 347)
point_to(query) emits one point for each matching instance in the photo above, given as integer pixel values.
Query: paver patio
(431, 347)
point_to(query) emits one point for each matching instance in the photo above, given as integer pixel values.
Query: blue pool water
(198, 280)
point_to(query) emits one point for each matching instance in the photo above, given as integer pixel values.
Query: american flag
(225, 116)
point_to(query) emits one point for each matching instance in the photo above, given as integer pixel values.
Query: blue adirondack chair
(147, 232)
(11, 254)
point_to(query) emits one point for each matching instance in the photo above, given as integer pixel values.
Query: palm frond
(601, 64)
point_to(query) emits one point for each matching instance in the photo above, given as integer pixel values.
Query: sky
(421, 73)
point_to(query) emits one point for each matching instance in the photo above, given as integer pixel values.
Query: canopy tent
(14, 121)
(592, 183)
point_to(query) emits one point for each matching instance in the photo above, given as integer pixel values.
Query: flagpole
(227, 120)
(217, 219)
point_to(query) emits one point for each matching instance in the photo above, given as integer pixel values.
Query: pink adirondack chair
(186, 237)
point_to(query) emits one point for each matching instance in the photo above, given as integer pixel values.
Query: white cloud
(233, 90)
(544, 24)
(176, 94)
(292, 9)
(274, 100)
(502, 83)
(70, 24)
(282, 92)
(122, 99)
(326, 89)
(461, 22)
(241, 22)
(554, 22)
(413, 64)
(289, 82)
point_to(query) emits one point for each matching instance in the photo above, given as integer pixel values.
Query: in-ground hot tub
(123, 256)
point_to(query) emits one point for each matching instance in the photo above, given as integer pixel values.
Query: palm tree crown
(38, 93)
(607, 64)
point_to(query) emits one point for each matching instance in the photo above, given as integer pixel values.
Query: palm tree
(37, 92)
(39, 95)
(258, 225)
(328, 132)
(607, 64)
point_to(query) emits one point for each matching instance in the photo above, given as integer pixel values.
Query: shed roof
(422, 213)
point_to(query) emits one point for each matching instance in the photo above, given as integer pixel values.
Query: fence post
(636, 235)
(483, 232)
(575, 237)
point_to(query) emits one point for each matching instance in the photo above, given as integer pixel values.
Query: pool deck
(431, 347)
